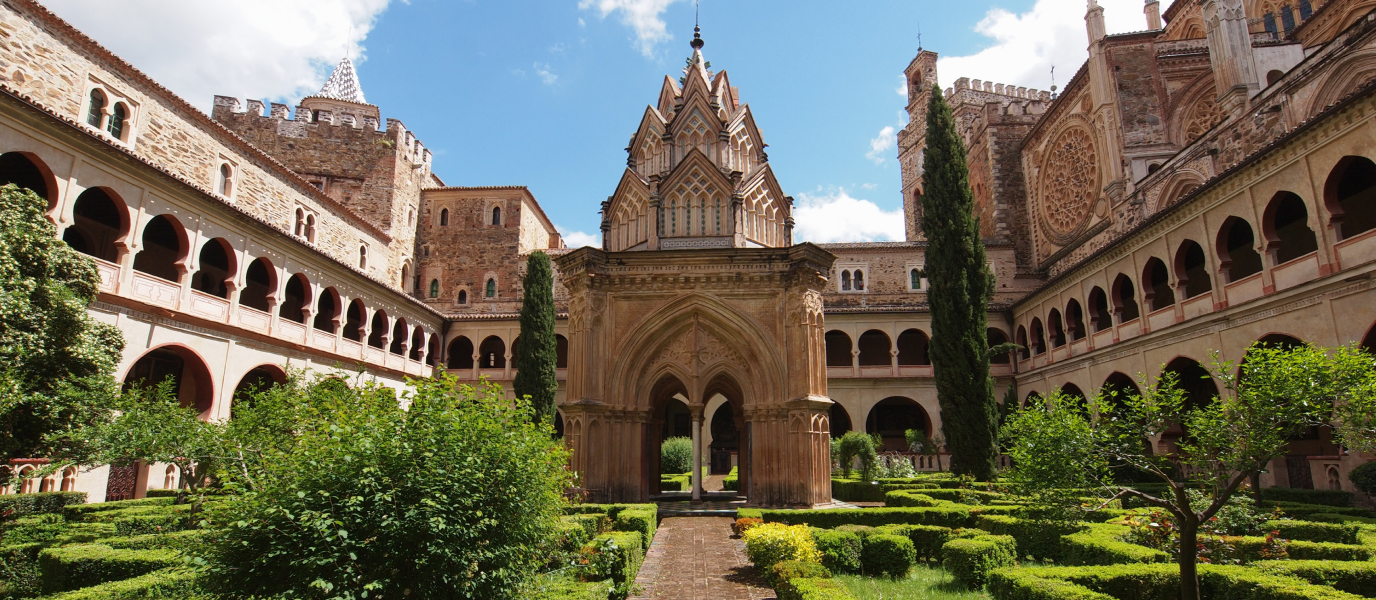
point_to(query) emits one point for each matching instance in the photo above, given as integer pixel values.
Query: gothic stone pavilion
(1197, 186)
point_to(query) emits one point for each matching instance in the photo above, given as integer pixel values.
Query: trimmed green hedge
(176, 540)
(850, 490)
(1102, 544)
(840, 549)
(1348, 576)
(171, 584)
(25, 578)
(780, 573)
(1311, 531)
(641, 519)
(946, 515)
(887, 554)
(1040, 539)
(161, 493)
(571, 588)
(74, 567)
(24, 505)
(1152, 582)
(1303, 510)
(911, 498)
(630, 553)
(1325, 497)
(592, 523)
(927, 539)
(965, 496)
(815, 589)
(80, 512)
(971, 559)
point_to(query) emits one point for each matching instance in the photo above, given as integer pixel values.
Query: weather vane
(919, 37)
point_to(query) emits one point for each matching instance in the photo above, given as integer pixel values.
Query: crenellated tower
(697, 175)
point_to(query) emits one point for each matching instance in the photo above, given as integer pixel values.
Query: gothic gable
(627, 217)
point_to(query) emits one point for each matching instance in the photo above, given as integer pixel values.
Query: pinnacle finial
(697, 42)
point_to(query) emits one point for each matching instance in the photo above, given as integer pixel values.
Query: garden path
(695, 558)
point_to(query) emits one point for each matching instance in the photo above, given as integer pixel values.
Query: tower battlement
(965, 84)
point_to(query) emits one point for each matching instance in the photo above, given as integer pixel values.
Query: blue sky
(546, 94)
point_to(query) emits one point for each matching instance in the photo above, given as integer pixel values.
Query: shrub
(731, 481)
(561, 586)
(786, 570)
(73, 567)
(592, 523)
(1325, 497)
(616, 556)
(908, 498)
(673, 483)
(855, 444)
(773, 542)
(24, 505)
(457, 496)
(743, 524)
(1351, 577)
(676, 455)
(964, 496)
(860, 530)
(161, 493)
(174, 583)
(840, 550)
(971, 559)
(1037, 538)
(178, 540)
(945, 515)
(927, 539)
(79, 512)
(815, 589)
(641, 519)
(1102, 544)
(1363, 477)
(1310, 531)
(1302, 510)
(857, 491)
(887, 554)
(1152, 582)
(22, 577)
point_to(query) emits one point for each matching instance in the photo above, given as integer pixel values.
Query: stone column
(1230, 52)
(697, 453)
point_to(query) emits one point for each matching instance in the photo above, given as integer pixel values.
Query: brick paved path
(695, 558)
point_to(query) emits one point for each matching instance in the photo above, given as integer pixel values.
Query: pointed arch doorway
(746, 325)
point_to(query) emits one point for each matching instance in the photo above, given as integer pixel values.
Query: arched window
(460, 355)
(377, 332)
(1158, 290)
(363, 257)
(492, 353)
(215, 272)
(411, 217)
(310, 228)
(874, 349)
(353, 321)
(1056, 328)
(162, 248)
(300, 229)
(1098, 310)
(1125, 299)
(295, 299)
(913, 348)
(1350, 194)
(444, 217)
(260, 284)
(98, 221)
(994, 337)
(838, 349)
(1191, 266)
(95, 109)
(1273, 76)
(1075, 320)
(491, 288)
(434, 288)
(1038, 338)
(399, 336)
(561, 352)
(226, 184)
(417, 344)
(1236, 248)
(915, 279)
(69, 479)
(117, 118)
(463, 296)
(1286, 225)
(169, 479)
(496, 215)
(327, 310)
(859, 280)
(1024, 351)
(845, 281)
(405, 278)
(27, 172)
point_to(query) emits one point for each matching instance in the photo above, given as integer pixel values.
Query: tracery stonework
(1203, 116)
(1071, 182)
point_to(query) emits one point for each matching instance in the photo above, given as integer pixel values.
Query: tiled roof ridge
(177, 101)
(30, 102)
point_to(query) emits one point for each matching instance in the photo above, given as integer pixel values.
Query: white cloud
(252, 48)
(641, 15)
(880, 145)
(578, 239)
(1026, 45)
(837, 217)
(902, 88)
(868, 186)
(544, 73)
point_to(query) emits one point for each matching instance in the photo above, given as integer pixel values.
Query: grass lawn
(923, 582)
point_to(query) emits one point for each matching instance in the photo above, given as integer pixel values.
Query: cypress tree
(961, 286)
(537, 351)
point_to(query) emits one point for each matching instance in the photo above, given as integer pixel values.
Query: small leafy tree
(1059, 449)
(855, 444)
(538, 351)
(456, 496)
(55, 360)
(676, 455)
(930, 447)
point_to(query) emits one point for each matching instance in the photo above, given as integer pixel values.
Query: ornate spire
(343, 84)
(697, 42)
